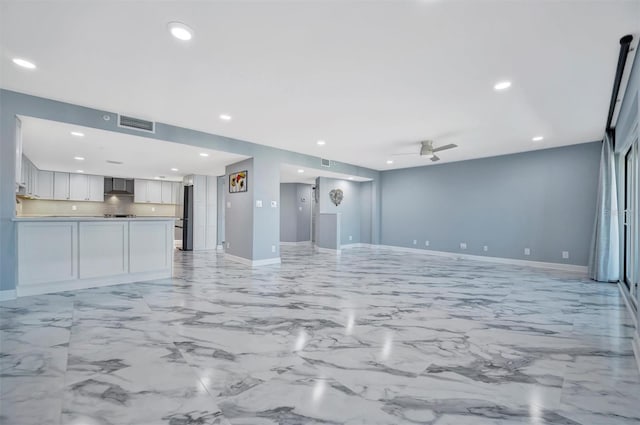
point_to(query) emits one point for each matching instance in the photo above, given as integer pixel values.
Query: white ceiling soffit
(290, 173)
(51, 146)
(372, 79)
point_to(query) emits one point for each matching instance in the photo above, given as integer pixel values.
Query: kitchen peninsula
(69, 253)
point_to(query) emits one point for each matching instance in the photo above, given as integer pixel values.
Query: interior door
(629, 221)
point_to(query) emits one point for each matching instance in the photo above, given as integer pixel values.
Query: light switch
(300, 208)
(258, 204)
(228, 204)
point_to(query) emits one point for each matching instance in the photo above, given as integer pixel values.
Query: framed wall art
(238, 182)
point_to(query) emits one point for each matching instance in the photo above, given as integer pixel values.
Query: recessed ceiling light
(174, 169)
(79, 171)
(321, 142)
(180, 31)
(389, 161)
(225, 117)
(24, 63)
(77, 134)
(350, 178)
(204, 154)
(502, 85)
(78, 158)
(538, 138)
(301, 170)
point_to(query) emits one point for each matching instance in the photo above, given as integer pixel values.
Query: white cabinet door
(33, 179)
(45, 184)
(95, 188)
(78, 187)
(167, 190)
(60, 186)
(139, 190)
(154, 192)
(176, 197)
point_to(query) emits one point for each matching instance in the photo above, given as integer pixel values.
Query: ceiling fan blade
(441, 148)
(435, 158)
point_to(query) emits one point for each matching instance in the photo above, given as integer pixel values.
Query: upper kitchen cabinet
(154, 192)
(84, 187)
(61, 186)
(45, 184)
(149, 191)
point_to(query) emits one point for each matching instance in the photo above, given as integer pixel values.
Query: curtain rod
(625, 44)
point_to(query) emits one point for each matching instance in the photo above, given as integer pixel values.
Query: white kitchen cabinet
(139, 191)
(154, 192)
(168, 196)
(83, 187)
(177, 193)
(95, 188)
(61, 186)
(45, 184)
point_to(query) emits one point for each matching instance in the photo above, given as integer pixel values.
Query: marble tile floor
(370, 337)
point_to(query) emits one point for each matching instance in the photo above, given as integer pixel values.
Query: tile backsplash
(113, 204)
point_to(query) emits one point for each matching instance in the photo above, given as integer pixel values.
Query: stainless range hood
(117, 186)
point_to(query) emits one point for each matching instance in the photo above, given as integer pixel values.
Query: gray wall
(239, 210)
(366, 211)
(295, 214)
(349, 208)
(330, 235)
(288, 213)
(543, 200)
(266, 224)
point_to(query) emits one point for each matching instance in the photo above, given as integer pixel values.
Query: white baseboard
(252, 263)
(301, 243)
(327, 250)
(7, 295)
(74, 285)
(499, 260)
(355, 245)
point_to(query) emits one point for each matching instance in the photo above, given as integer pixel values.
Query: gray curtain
(604, 258)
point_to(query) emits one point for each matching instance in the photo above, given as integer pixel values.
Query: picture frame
(238, 182)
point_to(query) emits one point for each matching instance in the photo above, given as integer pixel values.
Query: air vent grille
(136, 123)
(325, 162)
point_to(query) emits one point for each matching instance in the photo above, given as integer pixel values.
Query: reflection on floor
(370, 337)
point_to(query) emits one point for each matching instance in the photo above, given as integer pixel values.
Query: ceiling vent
(325, 162)
(136, 123)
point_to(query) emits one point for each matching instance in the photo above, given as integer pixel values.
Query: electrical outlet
(258, 204)
(73, 208)
(153, 209)
(273, 248)
(426, 243)
(350, 237)
(485, 248)
(463, 245)
(415, 242)
(300, 208)
(565, 254)
(274, 204)
(527, 251)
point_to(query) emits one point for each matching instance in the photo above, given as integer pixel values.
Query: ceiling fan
(428, 151)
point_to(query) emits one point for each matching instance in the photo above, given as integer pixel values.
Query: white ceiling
(50, 146)
(290, 174)
(370, 78)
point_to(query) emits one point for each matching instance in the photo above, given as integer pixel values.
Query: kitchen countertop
(53, 218)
